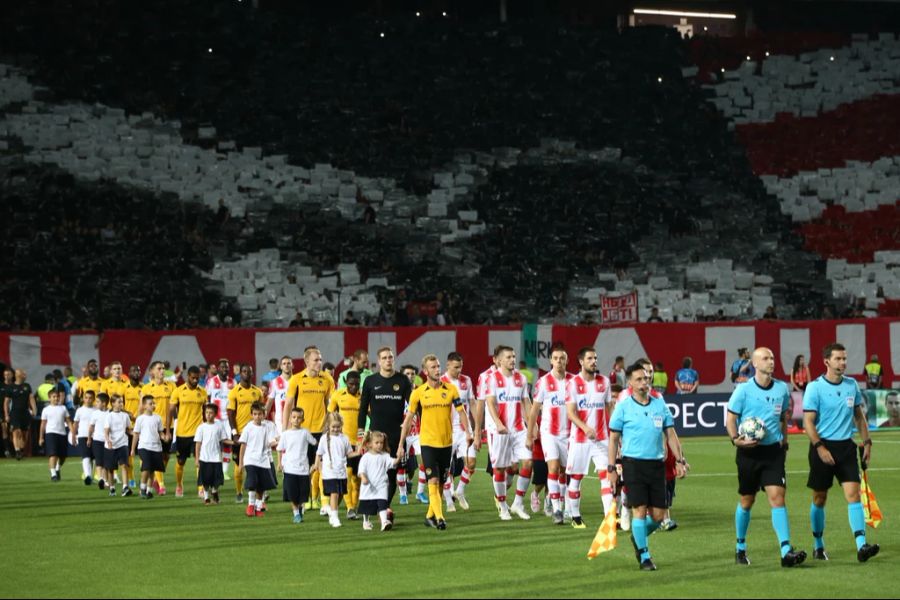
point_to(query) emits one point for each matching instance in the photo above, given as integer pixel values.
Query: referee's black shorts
(437, 462)
(759, 468)
(645, 482)
(845, 467)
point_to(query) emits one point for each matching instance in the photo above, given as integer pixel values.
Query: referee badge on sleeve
(850, 401)
(658, 422)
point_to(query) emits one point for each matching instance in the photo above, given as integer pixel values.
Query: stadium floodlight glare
(444, 13)
(659, 79)
(382, 34)
(684, 13)
(210, 50)
(418, 14)
(767, 53)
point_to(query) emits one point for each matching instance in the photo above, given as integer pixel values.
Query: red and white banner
(712, 346)
(619, 309)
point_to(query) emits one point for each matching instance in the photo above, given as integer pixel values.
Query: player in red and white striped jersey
(218, 388)
(462, 450)
(549, 402)
(277, 395)
(507, 401)
(587, 402)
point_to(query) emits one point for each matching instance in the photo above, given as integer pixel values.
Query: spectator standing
(873, 373)
(687, 379)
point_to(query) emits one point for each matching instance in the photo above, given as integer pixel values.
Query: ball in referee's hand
(752, 428)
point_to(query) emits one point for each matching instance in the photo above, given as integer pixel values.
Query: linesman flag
(870, 504)
(605, 540)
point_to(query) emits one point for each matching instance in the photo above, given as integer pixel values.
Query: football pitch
(67, 540)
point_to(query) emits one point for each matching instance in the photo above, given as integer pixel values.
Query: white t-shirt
(257, 438)
(56, 419)
(149, 428)
(375, 467)
(83, 419)
(98, 420)
(211, 437)
(294, 443)
(334, 456)
(117, 423)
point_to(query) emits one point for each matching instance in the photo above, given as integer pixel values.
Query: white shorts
(412, 441)
(556, 447)
(581, 455)
(507, 448)
(461, 446)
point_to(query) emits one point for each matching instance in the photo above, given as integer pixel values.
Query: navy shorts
(151, 461)
(97, 452)
(334, 486)
(83, 450)
(115, 457)
(372, 507)
(259, 479)
(296, 488)
(210, 475)
(56, 444)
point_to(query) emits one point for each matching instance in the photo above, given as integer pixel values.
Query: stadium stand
(518, 172)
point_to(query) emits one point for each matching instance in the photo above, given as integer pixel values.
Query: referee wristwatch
(610, 468)
(818, 444)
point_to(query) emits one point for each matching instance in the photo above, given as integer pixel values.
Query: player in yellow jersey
(91, 381)
(311, 390)
(437, 401)
(241, 399)
(186, 404)
(162, 391)
(346, 402)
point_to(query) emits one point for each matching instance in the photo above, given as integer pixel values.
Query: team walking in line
(353, 444)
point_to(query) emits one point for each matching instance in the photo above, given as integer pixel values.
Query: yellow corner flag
(870, 504)
(605, 540)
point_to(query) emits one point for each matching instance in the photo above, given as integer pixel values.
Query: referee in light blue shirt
(640, 423)
(831, 405)
(761, 463)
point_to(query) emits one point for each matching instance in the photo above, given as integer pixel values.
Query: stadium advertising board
(712, 346)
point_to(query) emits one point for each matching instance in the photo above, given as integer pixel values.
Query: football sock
(238, 480)
(857, 523)
(463, 482)
(423, 483)
(401, 481)
(158, 477)
(651, 525)
(782, 529)
(741, 525)
(251, 498)
(500, 485)
(817, 520)
(434, 496)
(179, 474)
(522, 484)
(575, 496)
(639, 531)
(86, 467)
(448, 491)
(553, 488)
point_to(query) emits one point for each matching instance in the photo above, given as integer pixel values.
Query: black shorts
(539, 472)
(20, 421)
(311, 449)
(759, 468)
(436, 462)
(459, 464)
(646, 482)
(259, 479)
(296, 488)
(83, 450)
(845, 468)
(152, 461)
(372, 507)
(353, 463)
(112, 458)
(97, 452)
(334, 486)
(184, 446)
(167, 446)
(56, 444)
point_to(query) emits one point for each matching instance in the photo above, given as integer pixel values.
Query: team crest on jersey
(396, 387)
(444, 395)
(428, 472)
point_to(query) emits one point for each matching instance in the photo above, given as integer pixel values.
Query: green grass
(68, 540)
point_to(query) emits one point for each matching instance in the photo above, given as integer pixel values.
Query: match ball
(752, 428)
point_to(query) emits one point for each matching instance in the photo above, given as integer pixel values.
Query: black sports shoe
(215, 497)
(88, 480)
(431, 522)
(54, 478)
(100, 483)
(793, 558)
(867, 551)
(819, 554)
(740, 558)
(112, 492)
(19, 455)
(390, 516)
(441, 524)
(127, 491)
(648, 565)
